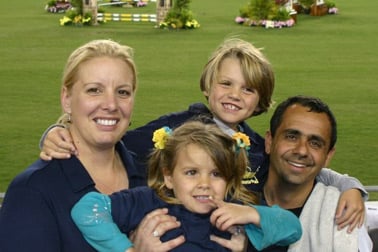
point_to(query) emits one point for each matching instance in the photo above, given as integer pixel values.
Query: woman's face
(230, 100)
(101, 102)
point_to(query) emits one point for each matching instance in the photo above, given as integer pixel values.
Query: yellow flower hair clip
(242, 141)
(160, 137)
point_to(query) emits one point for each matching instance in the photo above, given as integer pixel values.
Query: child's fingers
(64, 141)
(58, 142)
(340, 209)
(216, 202)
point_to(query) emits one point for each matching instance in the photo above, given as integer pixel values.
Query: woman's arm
(26, 221)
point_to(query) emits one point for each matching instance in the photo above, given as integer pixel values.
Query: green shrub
(282, 14)
(51, 3)
(264, 10)
(180, 16)
(306, 4)
(330, 4)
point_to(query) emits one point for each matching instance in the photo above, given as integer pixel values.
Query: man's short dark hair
(313, 104)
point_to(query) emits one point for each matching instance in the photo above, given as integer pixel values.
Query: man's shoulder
(328, 190)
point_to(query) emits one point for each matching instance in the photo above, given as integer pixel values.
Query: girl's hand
(238, 242)
(350, 210)
(146, 237)
(229, 214)
(57, 144)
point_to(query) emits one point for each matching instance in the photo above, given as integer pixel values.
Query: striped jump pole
(125, 17)
(124, 2)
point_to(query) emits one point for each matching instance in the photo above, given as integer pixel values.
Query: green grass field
(333, 57)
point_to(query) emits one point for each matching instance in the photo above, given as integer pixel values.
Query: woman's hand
(350, 210)
(146, 237)
(57, 144)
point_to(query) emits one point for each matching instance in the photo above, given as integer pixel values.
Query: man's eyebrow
(317, 138)
(292, 131)
(311, 137)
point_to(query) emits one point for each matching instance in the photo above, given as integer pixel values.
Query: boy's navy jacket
(139, 141)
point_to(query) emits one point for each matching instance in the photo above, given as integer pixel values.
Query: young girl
(238, 83)
(191, 172)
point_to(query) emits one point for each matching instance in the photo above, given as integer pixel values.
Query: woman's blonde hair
(256, 69)
(218, 145)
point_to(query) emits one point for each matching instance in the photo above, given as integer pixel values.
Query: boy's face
(230, 100)
(300, 147)
(194, 179)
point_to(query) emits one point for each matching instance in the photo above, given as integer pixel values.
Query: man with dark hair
(300, 142)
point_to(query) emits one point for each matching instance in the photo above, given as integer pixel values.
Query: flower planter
(319, 10)
(297, 7)
(293, 16)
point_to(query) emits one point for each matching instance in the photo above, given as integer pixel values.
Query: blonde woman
(97, 97)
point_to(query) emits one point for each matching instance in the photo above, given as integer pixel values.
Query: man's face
(300, 147)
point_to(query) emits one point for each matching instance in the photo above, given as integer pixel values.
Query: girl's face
(230, 100)
(194, 179)
(100, 102)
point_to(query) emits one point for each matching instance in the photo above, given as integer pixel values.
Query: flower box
(297, 7)
(319, 10)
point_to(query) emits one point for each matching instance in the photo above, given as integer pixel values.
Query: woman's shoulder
(33, 171)
(56, 175)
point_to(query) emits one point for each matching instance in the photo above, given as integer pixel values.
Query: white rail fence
(372, 188)
(1, 197)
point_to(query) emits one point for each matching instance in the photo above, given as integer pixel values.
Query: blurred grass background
(333, 57)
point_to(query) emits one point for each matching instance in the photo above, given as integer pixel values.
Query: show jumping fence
(126, 17)
(114, 2)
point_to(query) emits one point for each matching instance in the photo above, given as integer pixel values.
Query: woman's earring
(69, 117)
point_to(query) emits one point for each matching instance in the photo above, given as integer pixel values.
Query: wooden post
(91, 7)
(162, 8)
